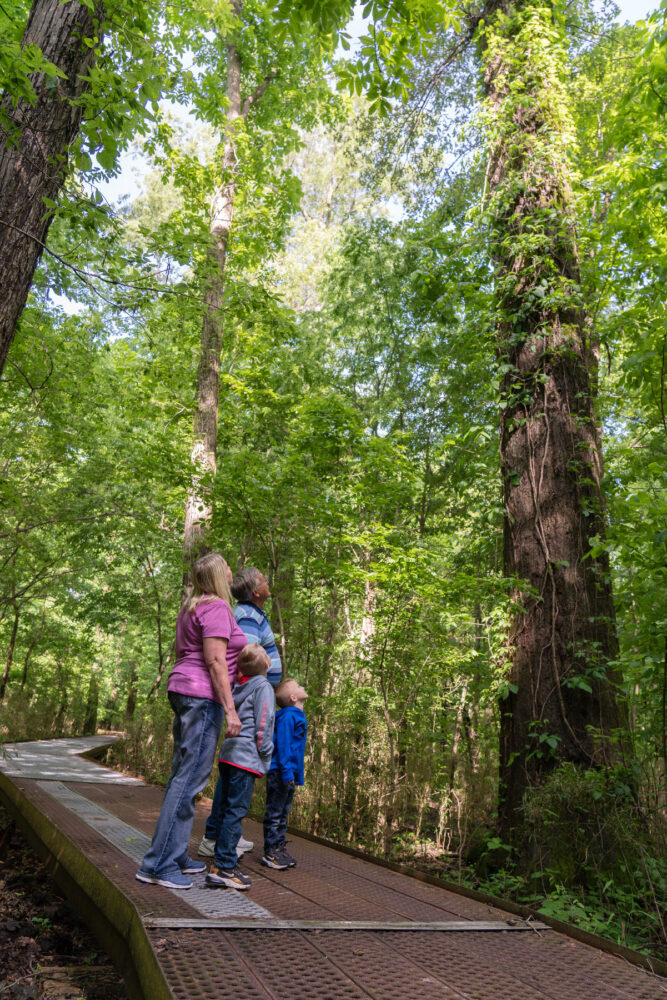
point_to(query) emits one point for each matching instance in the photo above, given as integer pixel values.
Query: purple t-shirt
(210, 619)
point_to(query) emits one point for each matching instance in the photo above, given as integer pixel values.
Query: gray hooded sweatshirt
(255, 705)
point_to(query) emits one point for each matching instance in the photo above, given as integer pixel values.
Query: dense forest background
(323, 335)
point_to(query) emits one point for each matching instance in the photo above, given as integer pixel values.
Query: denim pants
(197, 726)
(215, 815)
(278, 803)
(236, 787)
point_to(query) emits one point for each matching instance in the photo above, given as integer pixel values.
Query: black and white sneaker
(275, 859)
(288, 857)
(232, 878)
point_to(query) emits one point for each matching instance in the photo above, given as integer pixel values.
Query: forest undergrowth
(45, 951)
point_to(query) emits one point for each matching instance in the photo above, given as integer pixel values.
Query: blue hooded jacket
(289, 744)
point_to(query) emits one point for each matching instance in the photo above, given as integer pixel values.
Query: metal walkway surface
(336, 927)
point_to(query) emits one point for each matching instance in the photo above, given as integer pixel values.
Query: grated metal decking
(333, 928)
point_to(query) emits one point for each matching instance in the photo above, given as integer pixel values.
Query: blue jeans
(197, 726)
(278, 804)
(236, 787)
(215, 815)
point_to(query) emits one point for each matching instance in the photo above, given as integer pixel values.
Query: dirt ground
(45, 952)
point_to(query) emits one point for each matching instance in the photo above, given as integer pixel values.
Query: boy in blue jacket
(285, 772)
(242, 759)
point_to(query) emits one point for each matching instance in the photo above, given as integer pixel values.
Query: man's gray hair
(245, 583)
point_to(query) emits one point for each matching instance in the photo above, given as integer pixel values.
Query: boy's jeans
(197, 725)
(215, 816)
(236, 787)
(278, 803)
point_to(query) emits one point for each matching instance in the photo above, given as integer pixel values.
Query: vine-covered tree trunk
(561, 704)
(34, 144)
(198, 508)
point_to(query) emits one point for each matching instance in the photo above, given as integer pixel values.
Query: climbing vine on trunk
(560, 702)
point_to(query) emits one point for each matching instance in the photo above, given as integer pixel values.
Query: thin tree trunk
(162, 666)
(28, 653)
(664, 721)
(131, 703)
(34, 144)
(92, 703)
(199, 509)
(562, 706)
(58, 726)
(10, 651)
(458, 730)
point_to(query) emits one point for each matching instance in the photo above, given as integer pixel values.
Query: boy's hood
(243, 691)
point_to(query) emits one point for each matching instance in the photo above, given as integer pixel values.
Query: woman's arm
(215, 655)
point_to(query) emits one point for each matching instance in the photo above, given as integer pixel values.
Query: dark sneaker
(232, 878)
(288, 857)
(276, 860)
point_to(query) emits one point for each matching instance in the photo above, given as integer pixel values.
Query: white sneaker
(244, 846)
(206, 848)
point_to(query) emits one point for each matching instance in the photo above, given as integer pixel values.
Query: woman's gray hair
(245, 583)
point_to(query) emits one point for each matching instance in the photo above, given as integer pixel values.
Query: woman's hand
(233, 724)
(215, 655)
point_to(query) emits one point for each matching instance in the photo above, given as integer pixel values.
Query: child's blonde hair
(283, 691)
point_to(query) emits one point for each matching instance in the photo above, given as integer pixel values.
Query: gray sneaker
(206, 848)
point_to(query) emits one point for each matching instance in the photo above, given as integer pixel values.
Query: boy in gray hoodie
(242, 759)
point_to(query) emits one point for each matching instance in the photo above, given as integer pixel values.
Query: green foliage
(599, 856)
(19, 63)
(357, 460)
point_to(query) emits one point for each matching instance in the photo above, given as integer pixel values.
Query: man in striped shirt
(251, 590)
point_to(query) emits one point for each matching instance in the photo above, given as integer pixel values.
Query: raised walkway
(336, 927)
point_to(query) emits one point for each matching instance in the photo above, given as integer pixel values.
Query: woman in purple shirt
(208, 642)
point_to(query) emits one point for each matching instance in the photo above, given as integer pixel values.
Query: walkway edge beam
(650, 963)
(105, 909)
(377, 926)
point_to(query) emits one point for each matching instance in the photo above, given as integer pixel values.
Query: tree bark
(562, 704)
(199, 509)
(34, 145)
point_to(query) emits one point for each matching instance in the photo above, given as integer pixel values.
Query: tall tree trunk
(34, 144)
(198, 509)
(562, 705)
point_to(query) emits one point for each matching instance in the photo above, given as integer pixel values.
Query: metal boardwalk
(336, 927)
